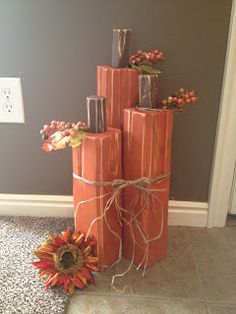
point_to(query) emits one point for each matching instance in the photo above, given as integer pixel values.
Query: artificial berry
(180, 101)
(68, 125)
(46, 127)
(147, 58)
(66, 133)
(44, 137)
(62, 124)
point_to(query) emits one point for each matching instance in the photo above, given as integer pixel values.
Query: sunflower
(67, 260)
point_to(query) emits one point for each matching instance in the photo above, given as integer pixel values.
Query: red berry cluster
(65, 128)
(178, 99)
(151, 58)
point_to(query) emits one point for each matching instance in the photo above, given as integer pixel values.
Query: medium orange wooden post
(120, 88)
(146, 153)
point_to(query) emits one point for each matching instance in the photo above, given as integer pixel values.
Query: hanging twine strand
(146, 195)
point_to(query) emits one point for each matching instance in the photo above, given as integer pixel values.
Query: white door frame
(225, 145)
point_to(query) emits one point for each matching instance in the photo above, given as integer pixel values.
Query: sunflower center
(67, 259)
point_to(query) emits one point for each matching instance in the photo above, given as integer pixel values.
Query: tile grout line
(141, 296)
(150, 297)
(204, 299)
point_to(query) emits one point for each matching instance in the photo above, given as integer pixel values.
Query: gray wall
(55, 45)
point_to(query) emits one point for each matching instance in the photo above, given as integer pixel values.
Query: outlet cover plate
(11, 100)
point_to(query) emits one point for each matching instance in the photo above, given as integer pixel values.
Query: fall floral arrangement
(146, 62)
(178, 99)
(60, 134)
(67, 260)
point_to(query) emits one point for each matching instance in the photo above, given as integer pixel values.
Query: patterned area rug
(20, 290)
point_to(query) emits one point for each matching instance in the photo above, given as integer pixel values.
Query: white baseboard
(181, 213)
(191, 214)
(36, 205)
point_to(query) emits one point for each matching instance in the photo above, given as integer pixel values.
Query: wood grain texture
(146, 153)
(120, 87)
(98, 159)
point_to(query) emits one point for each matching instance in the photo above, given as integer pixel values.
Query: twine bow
(146, 194)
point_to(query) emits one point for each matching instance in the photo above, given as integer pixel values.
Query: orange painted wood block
(98, 159)
(120, 87)
(146, 153)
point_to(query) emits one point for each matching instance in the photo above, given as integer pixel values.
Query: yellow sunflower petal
(92, 259)
(46, 252)
(54, 280)
(87, 250)
(44, 273)
(42, 255)
(80, 239)
(51, 238)
(49, 279)
(81, 277)
(48, 248)
(92, 267)
(71, 289)
(65, 235)
(75, 235)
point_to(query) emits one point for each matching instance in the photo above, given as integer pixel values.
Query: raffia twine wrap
(146, 194)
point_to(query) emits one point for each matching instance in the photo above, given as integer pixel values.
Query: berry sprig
(59, 134)
(179, 99)
(146, 62)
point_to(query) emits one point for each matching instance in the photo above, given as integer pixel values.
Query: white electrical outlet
(11, 100)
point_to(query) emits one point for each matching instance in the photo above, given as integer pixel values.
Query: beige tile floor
(197, 277)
